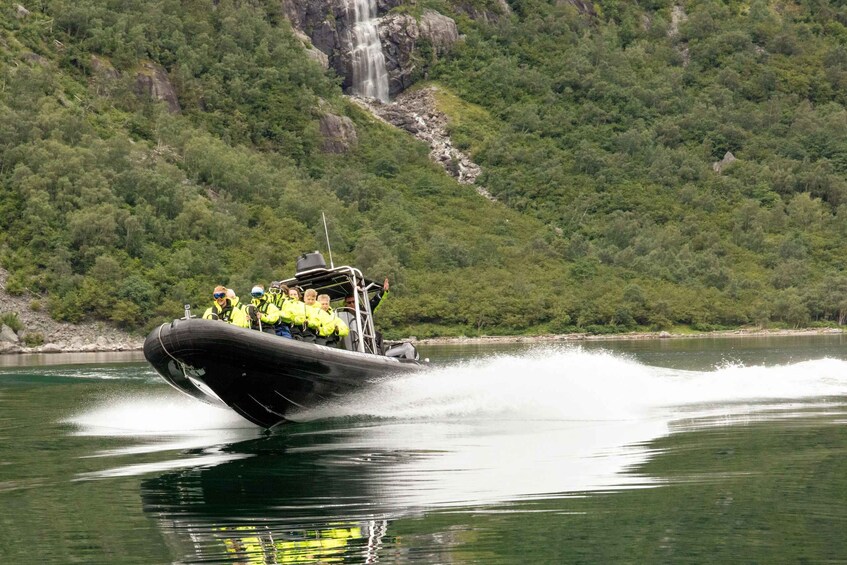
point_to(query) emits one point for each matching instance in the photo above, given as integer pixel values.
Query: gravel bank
(58, 336)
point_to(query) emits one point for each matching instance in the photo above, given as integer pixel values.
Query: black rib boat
(264, 377)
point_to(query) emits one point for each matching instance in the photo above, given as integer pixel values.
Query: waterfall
(370, 78)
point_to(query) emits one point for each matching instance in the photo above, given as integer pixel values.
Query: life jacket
(330, 324)
(229, 313)
(268, 313)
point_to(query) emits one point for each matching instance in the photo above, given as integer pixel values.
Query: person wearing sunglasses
(267, 314)
(223, 309)
(376, 299)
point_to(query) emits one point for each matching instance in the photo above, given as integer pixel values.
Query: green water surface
(730, 481)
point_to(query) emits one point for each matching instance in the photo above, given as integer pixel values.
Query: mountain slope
(597, 135)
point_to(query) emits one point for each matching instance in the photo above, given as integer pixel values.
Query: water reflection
(319, 491)
(470, 437)
(276, 501)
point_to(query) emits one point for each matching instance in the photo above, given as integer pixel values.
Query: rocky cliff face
(151, 79)
(402, 36)
(329, 23)
(338, 133)
(497, 10)
(399, 34)
(416, 112)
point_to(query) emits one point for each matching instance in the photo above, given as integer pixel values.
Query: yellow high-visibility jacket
(331, 324)
(230, 313)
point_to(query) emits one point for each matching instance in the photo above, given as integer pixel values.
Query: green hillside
(597, 134)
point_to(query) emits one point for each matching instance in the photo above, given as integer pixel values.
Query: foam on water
(573, 384)
(499, 428)
(153, 414)
(555, 421)
(164, 422)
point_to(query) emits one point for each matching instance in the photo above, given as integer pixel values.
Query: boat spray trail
(574, 384)
(546, 423)
(551, 422)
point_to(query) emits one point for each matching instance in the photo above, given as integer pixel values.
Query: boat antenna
(326, 231)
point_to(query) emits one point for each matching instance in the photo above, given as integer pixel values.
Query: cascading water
(370, 77)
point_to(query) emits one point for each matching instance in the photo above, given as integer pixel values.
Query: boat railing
(361, 317)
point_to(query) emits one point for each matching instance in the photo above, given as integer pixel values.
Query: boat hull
(263, 377)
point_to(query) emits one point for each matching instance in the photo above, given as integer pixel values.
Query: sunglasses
(257, 294)
(219, 295)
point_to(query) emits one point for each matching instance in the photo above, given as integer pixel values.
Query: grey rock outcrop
(311, 51)
(416, 112)
(152, 80)
(338, 133)
(8, 335)
(400, 35)
(35, 59)
(440, 30)
(498, 11)
(328, 25)
(728, 159)
(679, 17)
(102, 67)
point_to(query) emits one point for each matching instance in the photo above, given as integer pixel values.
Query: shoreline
(576, 337)
(105, 345)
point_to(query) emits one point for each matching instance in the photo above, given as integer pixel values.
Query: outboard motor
(403, 350)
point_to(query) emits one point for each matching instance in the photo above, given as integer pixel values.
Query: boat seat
(349, 341)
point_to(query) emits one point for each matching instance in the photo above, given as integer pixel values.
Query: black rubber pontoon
(261, 376)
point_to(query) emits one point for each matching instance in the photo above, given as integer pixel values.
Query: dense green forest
(597, 133)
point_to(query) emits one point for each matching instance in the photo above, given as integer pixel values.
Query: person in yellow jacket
(331, 326)
(294, 311)
(224, 309)
(312, 324)
(279, 295)
(267, 314)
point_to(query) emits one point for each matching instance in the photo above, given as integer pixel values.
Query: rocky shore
(60, 337)
(55, 337)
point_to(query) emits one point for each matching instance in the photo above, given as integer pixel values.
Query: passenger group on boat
(281, 311)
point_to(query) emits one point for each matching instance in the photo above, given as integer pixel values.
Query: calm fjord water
(651, 451)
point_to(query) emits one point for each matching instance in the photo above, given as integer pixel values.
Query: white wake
(501, 428)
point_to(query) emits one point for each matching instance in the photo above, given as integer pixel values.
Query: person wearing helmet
(267, 314)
